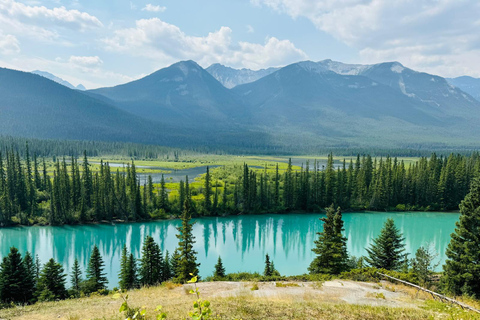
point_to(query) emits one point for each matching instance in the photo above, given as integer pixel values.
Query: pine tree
(219, 269)
(132, 272)
(31, 276)
(207, 193)
(12, 278)
(462, 268)
(151, 263)
(123, 275)
(187, 263)
(167, 267)
(51, 283)
(268, 271)
(76, 278)
(331, 245)
(387, 250)
(96, 279)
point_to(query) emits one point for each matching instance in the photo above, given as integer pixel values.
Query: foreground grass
(244, 304)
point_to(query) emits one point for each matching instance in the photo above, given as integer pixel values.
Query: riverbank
(336, 299)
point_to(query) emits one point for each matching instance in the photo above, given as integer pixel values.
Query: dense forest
(75, 193)
(137, 151)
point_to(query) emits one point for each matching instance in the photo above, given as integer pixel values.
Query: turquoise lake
(241, 241)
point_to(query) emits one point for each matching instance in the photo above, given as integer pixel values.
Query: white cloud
(9, 44)
(432, 35)
(86, 61)
(166, 43)
(152, 8)
(44, 17)
(250, 29)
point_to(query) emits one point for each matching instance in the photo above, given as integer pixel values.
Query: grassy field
(238, 301)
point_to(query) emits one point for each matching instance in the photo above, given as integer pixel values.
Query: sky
(104, 43)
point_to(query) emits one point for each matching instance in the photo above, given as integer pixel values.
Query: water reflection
(241, 241)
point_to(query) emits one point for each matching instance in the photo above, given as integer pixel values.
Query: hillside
(371, 105)
(34, 106)
(468, 84)
(184, 94)
(235, 300)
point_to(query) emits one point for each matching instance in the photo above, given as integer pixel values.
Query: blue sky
(104, 43)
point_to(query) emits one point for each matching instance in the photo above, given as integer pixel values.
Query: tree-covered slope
(34, 106)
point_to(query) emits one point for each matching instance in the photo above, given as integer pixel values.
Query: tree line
(75, 193)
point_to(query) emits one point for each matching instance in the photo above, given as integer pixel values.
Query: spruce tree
(76, 278)
(462, 267)
(167, 267)
(96, 279)
(132, 272)
(13, 277)
(123, 276)
(187, 263)
(51, 283)
(151, 263)
(331, 245)
(31, 276)
(267, 272)
(219, 269)
(387, 250)
(207, 193)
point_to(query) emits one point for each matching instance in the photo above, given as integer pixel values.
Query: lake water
(241, 241)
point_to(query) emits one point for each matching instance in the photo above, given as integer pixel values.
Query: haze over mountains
(297, 108)
(53, 77)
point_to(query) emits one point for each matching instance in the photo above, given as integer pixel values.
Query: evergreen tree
(219, 269)
(207, 193)
(76, 278)
(132, 272)
(423, 266)
(269, 268)
(51, 283)
(123, 275)
(167, 267)
(187, 263)
(462, 268)
(31, 276)
(96, 279)
(13, 277)
(151, 263)
(331, 246)
(387, 250)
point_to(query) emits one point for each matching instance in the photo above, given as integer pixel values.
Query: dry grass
(233, 301)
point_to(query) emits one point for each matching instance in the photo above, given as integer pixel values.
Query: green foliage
(387, 250)
(424, 265)
(186, 263)
(151, 263)
(201, 308)
(14, 279)
(96, 279)
(76, 279)
(128, 271)
(331, 246)
(462, 268)
(51, 283)
(219, 272)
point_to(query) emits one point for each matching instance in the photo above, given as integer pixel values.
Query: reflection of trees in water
(241, 240)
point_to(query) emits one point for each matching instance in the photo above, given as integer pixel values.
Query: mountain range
(53, 77)
(298, 108)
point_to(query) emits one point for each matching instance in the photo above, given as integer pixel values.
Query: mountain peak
(53, 77)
